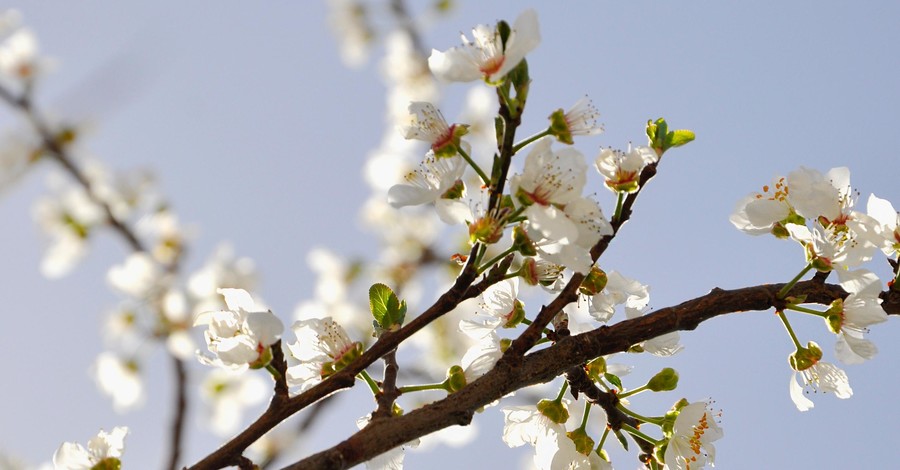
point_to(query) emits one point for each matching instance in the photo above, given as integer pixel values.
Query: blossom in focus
(590, 224)
(765, 212)
(104, 449)
(851, 317)
(549, 181)
(322, 348)
(619, 290)
(821, 376)
(832, 247)
(498, 307)
(240, 336)
(690, 445)
(888, 224)
(622, 170)
(437, 180)
(428, 124)
(581, 119)
(815, 195)
(119, 379)
(485, 57)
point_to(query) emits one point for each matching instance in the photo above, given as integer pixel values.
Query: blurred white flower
(119, 379)
(228, 394)
(139, 276)
(105, 448)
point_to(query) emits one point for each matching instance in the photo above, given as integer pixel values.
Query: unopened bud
(456, 379)
(664, 380)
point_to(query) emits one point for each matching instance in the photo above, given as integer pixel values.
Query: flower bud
(596, 368)
(456, 379)
(664, 380)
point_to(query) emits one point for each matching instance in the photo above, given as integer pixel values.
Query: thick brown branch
(546, 364)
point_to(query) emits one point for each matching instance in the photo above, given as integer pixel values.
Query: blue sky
(258, 135)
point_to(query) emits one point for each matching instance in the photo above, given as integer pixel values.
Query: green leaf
(678, 138)
(387, 309)
(613, 379)
(621, 438)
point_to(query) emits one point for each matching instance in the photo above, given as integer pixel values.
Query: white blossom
(690, 446)
(105, 447)
(822, 376)
(485, 57)
(240, 335)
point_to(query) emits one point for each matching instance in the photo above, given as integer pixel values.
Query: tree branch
(546, 364)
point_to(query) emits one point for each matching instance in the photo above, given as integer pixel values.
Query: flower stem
(495, 260)
(531, 139)
(419, 388)
(272, 370)
(787, 326)
(645, 419)
(633, 392)
(562, 391)
(810, 311)
(467, 158)
(529, 322)
(634, 432)
(587, 412)
(373, 386)
(897, 275)
(620, 200)
(784, 290)
(603, 438)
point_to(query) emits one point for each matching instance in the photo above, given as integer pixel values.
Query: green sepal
(554, 411)
(583, 443)
(388, 310)
(109, 463)
(804, 358)
(834, 316)
(265, 357)
(594, 282)
(331, 367)
(517, 316)
(559, 128)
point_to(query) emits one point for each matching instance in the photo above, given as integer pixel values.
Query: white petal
(797, 395)
(238, 299)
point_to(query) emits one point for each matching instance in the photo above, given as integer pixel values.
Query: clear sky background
(258, 134)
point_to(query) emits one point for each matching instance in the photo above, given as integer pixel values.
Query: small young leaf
(379, 295)
(387, 309)
(613, 379)
(678, 138)
(621, 438)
